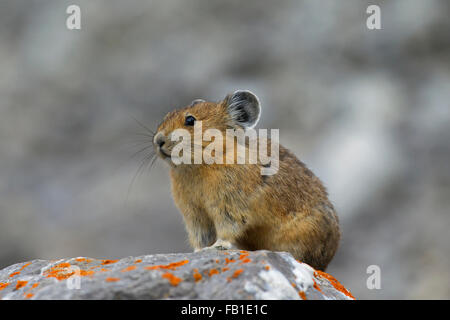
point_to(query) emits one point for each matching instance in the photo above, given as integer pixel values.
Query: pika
(234, 206)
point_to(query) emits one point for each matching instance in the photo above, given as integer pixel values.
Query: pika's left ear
(244, 108)
(196, 101)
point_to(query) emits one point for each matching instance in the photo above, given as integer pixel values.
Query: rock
(208, 274)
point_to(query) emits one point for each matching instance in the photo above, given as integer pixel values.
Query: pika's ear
(193, 103)
(244, 108)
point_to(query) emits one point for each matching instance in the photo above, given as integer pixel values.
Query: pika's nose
(159, 139)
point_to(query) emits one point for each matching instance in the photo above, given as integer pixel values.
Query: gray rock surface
(207, 274)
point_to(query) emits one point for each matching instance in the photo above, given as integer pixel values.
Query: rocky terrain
(208, 274)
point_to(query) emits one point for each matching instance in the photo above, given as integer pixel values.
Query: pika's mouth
(163, 153)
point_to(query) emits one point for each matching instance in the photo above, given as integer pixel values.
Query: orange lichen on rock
(316, 286)
(63, 265)
(174, 281)
(213, 272)
(227, 261)
(246, 260)
(3, 285)
(14, 274)
(153, 268)
(267, 267)
(302, 295)
(21, 284)
(129, 268)
(104, 270)
(235, 274)
(170, 266)
(64, 271)
(85, 273)
(197, 275)
(112, 279)
(244, 255)
(28, 294)
(225, 269)
(334, 282)
(83, 260)
(60, 271)
(138, 261)
(24, 266)
(108, 261)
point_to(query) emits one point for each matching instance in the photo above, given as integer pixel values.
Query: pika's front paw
(218, 245)
(220, 248)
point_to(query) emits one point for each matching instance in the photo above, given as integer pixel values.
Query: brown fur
(288, 211)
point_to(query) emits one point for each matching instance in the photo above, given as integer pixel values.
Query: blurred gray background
(367, 111)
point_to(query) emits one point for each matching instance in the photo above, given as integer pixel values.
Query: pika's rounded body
(234, 206)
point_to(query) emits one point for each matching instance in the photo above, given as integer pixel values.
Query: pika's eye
(189, 121)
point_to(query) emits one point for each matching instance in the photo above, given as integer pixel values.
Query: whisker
(138, 143)
(145, 143)
(143, 126)
(141, 150)
(140, 133)
(139, 170)
(152, 162)
(143, 134)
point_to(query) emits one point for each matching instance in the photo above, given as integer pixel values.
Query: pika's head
(240, 110)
